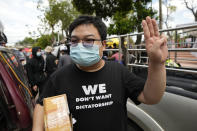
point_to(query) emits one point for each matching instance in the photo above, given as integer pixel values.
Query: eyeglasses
(87, 42)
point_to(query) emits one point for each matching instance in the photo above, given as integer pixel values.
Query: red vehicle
(16, 101)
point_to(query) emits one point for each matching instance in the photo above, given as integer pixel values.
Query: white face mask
(23, 62)
(38, 54)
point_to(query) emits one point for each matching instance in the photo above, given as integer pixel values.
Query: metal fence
(172, 47)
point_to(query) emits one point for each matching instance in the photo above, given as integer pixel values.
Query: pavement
(186, 59)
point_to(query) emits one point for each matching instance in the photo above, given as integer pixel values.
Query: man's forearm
(155, 84)
(38, 118)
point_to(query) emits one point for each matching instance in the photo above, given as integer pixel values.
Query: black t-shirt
(97, 100)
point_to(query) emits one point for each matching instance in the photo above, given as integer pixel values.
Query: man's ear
(104, 44)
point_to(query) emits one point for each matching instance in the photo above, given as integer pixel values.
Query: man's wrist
(156, 65)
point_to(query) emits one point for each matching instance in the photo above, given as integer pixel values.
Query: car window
(18, 69)
(13, 60)
(19, 54)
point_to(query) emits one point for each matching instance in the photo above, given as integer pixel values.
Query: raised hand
(156, 46)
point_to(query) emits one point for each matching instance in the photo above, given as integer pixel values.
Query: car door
(12, 76)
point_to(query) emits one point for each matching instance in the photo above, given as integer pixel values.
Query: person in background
(35, 70)
(64, 57)
(51, 64)
(117, 57)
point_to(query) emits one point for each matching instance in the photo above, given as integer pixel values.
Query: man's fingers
(146, 30)
(155, 26)
(164, 36)
(150, 26)
(163, 40)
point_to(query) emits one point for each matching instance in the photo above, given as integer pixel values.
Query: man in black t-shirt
(97, 90)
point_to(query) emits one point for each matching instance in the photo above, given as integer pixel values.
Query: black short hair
(86, 19)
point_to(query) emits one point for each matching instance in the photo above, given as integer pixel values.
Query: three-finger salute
(156, 46)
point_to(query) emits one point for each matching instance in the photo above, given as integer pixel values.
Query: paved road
(186, 59)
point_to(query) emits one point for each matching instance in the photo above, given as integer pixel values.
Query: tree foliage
(66, 15)
(102, 8)
(131, 21)
(44, 41)
(26, 41)
(121, 25)
(52, 14)
(58, 13)
(126, 15)
(56, 18)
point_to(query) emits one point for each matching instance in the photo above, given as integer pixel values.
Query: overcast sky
(20, 17)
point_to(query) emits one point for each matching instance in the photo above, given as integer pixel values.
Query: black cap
(3, 38)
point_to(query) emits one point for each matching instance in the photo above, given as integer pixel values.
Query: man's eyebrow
(84, 36)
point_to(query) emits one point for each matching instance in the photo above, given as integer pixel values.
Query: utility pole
(160, 14)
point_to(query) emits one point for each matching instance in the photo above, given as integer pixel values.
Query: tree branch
(187, 6)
